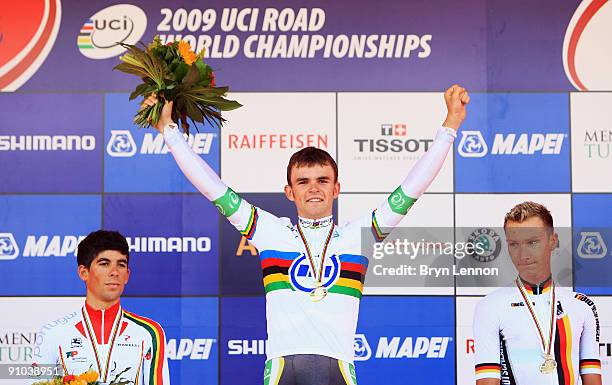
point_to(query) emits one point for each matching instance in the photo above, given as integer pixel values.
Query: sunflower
(186, 53)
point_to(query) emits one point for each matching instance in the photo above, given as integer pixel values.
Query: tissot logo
(122, 145)
(473, 144)
(592, 245)
(393, 138)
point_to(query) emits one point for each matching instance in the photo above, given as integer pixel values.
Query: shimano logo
(169, 244)
(47, 143)
(195, 349)
(8, 246)
(122, 144)
(246, 347)
(591, 245)
(473, 145)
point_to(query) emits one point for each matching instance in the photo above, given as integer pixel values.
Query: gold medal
(318, 294)
(549, 365)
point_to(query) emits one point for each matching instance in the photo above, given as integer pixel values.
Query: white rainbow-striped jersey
(295, 323)
(108, 341)
(508, 346)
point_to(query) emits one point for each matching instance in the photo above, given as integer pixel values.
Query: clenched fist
(456, 98)
(166, 113)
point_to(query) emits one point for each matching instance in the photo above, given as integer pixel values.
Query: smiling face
(105, 278)
(313, 190)
(530, 244)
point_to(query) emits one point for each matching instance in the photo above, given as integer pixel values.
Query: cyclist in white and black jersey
(313, 271)
(534, 332)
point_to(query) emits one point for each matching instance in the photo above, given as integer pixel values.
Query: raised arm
(391, 212)
(199, 173)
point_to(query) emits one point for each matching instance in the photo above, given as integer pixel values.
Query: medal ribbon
(545, 348)
(94, 342)
(310, 259)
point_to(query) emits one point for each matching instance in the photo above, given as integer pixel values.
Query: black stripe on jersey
(275, 270)
(507, 377)
(558, 355)
(352, 275)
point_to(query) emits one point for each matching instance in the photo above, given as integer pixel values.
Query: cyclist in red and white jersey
(101, 335)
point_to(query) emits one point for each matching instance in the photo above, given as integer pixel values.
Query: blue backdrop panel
(514, 143)
(51, 143)
(175, 266)
(39, 235)
(191, 326)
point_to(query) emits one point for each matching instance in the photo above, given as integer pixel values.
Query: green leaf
(143, 89)
(192, 77)
(202, 69)
(180, 71)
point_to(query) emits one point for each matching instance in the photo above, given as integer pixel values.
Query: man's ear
(289, 193)
(83, 273)
(554, 241)
(336, 190)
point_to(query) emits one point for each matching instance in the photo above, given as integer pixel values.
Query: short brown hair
(311, 156)
(529, 209)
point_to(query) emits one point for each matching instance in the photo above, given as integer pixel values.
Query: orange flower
(186, 53)
(89, 376)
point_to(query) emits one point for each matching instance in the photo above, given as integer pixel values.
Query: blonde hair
(529, 209)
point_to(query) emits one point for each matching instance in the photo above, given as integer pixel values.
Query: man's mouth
(315, 200)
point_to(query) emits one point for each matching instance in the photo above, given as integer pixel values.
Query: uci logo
(591, 245)
(362, 348)
(101, 35)
(472, 145)
(8, 246)
(301, 275)
(121, 144)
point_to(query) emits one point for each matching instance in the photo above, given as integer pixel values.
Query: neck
(536, 279)
(98, 304)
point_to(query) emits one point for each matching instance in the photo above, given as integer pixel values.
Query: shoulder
(148, 325)
(583, 301)
(61, 324)
(497, 299)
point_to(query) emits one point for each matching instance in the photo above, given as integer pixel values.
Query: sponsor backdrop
(363, 81)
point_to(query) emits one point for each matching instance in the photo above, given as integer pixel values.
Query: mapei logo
(586, 51)
(592, 245)
(362, 348)
(101, 35)
(302, 279)
(473, 144)
(122, 144)
(28, 40)
(39, 246)
(8, 246)
(194, 349)
(402, 347)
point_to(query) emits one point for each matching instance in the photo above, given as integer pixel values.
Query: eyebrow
(318, 178)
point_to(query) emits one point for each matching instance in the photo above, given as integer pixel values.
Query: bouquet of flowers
(174, 72)
(90, 377)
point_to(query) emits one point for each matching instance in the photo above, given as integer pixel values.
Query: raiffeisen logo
(101, 34)
(473, 144)
(586, 48)
(122, 144)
